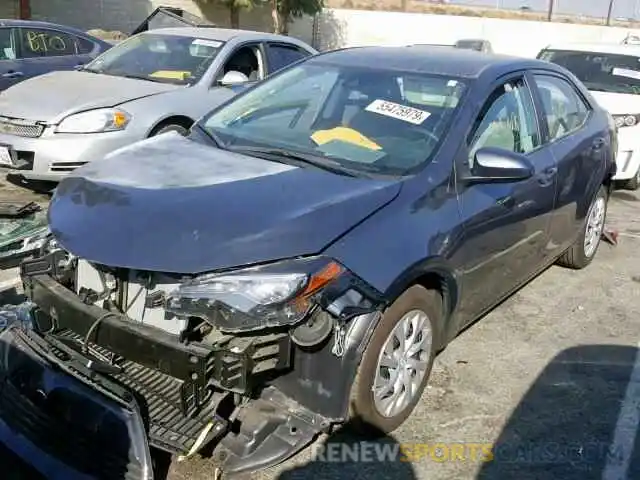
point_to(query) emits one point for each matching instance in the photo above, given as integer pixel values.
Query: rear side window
(563, 107)
(85, 46)
(280, 56)
(38, 42)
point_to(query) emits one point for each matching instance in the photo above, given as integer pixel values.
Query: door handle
(598, 143)
(546, 176)
(506, 202)
(12, 75)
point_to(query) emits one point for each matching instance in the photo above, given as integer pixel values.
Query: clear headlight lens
(95, 121)
(254, 298)
(628, 120)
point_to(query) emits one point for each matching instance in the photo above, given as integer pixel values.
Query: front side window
(362, 119)
(600, 72)
(46, 43)
(565, 110)
(508, 121)
(176, 59)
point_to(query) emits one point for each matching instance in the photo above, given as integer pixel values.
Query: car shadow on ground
(346, 455)
(575, 421)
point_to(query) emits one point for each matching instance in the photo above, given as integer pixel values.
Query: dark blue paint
(483, 239)
(289, 214)
(14, 71)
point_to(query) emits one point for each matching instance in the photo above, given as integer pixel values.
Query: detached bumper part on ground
(254, 398)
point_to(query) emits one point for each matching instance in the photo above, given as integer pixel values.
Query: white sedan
(612, 73)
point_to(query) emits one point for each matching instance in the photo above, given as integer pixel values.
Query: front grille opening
(21, 128)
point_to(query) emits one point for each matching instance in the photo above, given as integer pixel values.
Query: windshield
(367, 120)
(173, 59)
(602, 72)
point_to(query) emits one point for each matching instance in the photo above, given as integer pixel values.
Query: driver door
(506, 225)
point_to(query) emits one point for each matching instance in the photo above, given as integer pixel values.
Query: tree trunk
(234, 16)
(275, 16)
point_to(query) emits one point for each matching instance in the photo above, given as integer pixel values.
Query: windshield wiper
(287, 156)
(143, 77)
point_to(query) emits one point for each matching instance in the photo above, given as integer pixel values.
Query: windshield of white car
(176, 59)
(371, 120)
(601, 72)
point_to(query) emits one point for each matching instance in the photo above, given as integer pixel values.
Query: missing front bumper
(167, 378)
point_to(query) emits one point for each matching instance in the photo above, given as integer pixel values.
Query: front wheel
(170, 128)
(396, 365)
(586, 245)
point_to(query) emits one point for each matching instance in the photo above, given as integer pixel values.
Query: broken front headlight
(275, 295)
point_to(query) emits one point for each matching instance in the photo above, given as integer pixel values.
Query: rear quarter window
(84, 46)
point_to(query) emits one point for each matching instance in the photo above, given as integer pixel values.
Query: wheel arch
(182, 120)
(432, 274)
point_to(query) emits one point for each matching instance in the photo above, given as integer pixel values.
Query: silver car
(151, 83)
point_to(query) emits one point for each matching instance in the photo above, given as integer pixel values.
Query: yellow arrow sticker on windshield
(345, 134)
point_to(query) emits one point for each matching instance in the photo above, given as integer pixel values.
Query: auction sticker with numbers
(395, 110)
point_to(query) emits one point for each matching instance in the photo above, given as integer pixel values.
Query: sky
(591, 8)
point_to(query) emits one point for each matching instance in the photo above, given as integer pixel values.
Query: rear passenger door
(281, 55)
(43, 50)
(578, 147)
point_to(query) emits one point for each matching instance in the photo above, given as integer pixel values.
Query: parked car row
(293, 256)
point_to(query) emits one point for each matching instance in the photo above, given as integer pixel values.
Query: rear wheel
(397, 363)
(632, 183)
(584, 249)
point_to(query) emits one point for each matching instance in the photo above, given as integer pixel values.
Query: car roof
(613, 48)
(432, 59)
(220, 34)
(5, 22)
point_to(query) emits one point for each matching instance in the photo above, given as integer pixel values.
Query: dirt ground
(546, 377)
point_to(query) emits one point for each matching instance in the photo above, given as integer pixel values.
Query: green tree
(284, 11)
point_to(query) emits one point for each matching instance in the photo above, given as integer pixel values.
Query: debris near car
(112, 36)
(23, 231)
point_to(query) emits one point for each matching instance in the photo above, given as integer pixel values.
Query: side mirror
(233, 78)
(496, 165)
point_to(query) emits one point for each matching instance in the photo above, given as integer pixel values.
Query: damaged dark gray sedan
(298, 260)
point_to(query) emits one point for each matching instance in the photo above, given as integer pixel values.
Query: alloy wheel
(402, 363)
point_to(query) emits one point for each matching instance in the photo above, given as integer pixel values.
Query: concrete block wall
(9, 9)
(339, 28)
(125, 15)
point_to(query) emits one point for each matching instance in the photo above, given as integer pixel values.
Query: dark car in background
(298, 260)
(30, 48)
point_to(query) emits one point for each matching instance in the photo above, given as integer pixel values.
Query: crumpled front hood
(51, 97)
(171, 204)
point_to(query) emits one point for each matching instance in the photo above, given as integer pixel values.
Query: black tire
(575, 257)
(632, 183)
(364, 416)
(171, 127)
